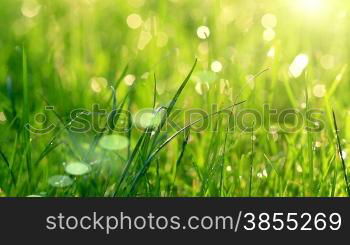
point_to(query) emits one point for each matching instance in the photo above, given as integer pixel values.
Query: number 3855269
(292, 221)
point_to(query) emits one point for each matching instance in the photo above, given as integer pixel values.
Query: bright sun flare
(310, 5)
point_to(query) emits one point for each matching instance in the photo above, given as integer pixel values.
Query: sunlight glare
(299, 64)
(310, 5)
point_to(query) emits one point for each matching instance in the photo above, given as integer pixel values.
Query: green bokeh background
(71, 45)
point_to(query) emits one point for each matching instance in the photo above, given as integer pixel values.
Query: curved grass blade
(170, 107)
(130, 160)
(341, 154)
(155, 152)
(52, 145)
(26, 133)
(251, 164)
(179, 159)
(228, 128)
(154, 91)
(7, 163)
(109, 124)
(125, 70)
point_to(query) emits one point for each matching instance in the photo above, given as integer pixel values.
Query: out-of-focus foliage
(77, 49)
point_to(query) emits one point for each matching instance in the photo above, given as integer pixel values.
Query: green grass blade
(156, 151)
(8, 165)
(341, 154)
(26, 133)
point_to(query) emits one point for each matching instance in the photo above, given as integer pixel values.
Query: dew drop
(203, 32)
(77, 168)
(114, 142)
(60, 181)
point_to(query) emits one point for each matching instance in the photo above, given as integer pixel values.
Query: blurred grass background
(76, 49)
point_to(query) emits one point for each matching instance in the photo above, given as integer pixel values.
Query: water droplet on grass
(134, 21)
(98, 83)
(60, 181)
(30, 8)
(2, 117)
(299, 168)
(145, 38)
(216, 66)
(318, 144)
(269, 21)
(264, 173)
(269, 34)
(344, 154)
(271, 52)
(77, 168)
(298, 65)
(201, 88)
(149, 119)
(319, 90)
(114, 142)
(203, 32)
(129, 79)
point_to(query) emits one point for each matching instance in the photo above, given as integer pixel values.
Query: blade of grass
(251, 164)
(170, 107)
(178, 161)
(309, 141)
(11, 95)
(130, 160)
(52, 145)
(341, 154)
(110, 124)
(325, 176)
(154, 91)
(155, 152)
(119, 80)
(229, 123)
(26, 133)
(7, 163)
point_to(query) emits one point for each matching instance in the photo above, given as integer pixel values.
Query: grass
(73, 74)
(341, 154)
